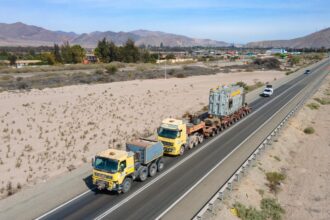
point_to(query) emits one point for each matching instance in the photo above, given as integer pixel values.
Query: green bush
(111, 69)
(323, 101)
(250, 213)
(271, 209)
(274, 180)
(313, 106)
(309, 130)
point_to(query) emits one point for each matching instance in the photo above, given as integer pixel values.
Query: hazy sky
(238, 21)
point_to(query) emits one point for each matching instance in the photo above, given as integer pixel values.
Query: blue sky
(238, 21)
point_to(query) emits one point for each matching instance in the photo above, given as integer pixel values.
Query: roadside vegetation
(274, 181)
(309, 130)
(269, 209)
(313, 106)
(249, 88)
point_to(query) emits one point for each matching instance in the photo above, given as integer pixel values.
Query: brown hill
(19, 34)
(315, 40)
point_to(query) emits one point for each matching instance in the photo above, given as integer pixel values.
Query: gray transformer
(226, 100)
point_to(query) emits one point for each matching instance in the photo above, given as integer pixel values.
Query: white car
(268, 91)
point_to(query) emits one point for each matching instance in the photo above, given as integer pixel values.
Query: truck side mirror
(158, 129)
(93, 162)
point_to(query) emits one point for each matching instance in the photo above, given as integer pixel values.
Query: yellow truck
(115, 170)
(179, 135)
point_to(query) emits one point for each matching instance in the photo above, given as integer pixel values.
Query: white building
(276, 50)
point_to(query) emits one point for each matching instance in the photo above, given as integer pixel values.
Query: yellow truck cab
(111, 167)
(173, 134)
(115, 170)
(178, 135)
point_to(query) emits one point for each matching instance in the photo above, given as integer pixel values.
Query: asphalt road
(155, 198)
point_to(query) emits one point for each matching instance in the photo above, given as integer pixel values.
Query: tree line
(63, 54)
(107, 52)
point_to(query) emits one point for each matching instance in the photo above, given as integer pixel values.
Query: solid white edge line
(77, 197)
(228, 155)
(113, 208)
(60, 206)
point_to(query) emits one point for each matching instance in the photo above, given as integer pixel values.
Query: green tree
(12, 59)
(130, 52)
(78, 53)
(113, 52)
(66, 53)
(48, 58)
(102, 51)
(57, 54)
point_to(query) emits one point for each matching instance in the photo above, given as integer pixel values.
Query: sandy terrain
(47, 132)
(303, 158)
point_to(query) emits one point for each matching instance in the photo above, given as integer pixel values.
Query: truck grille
(103, 176)
(167, 143)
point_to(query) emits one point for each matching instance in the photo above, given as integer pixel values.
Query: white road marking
(167, 171)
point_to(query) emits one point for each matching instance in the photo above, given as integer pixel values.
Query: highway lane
(159, 196)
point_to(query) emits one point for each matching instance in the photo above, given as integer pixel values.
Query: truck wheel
(127, 184)
(181, 150)
(201, 138)
(213, 133)
(143, 174)
(160, 164)
(152, 169)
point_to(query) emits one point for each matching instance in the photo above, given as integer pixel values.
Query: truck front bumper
(102, 184)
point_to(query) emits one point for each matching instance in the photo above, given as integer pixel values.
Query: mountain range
(318, 39)
(20, 34)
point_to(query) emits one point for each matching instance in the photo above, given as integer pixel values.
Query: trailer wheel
(201, 138)
(160, 164)
(152, 169)
(181, 150)
(143, 174)
(127, 184)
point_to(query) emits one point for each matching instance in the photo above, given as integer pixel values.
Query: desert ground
(48, 132)
(302, 158)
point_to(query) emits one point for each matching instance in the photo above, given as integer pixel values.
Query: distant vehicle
(307, 72)
(268, 91)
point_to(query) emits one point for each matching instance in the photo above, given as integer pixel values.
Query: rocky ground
(304, 161)
(48, 132)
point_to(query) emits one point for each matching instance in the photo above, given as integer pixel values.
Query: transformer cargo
(115, 170)
(226, 100)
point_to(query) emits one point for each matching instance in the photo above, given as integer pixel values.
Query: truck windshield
(106, 164)
(167, 133)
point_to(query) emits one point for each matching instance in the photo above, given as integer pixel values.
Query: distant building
(276, 51)
(21, 63)
(90, 58)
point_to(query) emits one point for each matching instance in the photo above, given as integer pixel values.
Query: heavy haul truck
(115, 170)
(226, 106)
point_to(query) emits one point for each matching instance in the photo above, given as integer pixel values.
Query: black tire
(127, 184)
(182, 150)
(152, 169)
(160, 165)
(143, 173)
(201, 138)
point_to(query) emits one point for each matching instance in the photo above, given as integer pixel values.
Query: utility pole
(165, 67)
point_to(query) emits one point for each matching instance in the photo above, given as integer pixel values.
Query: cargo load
(226, 100)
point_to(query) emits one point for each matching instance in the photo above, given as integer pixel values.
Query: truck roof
(113, 154)
(142, 142)
(172, 121)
